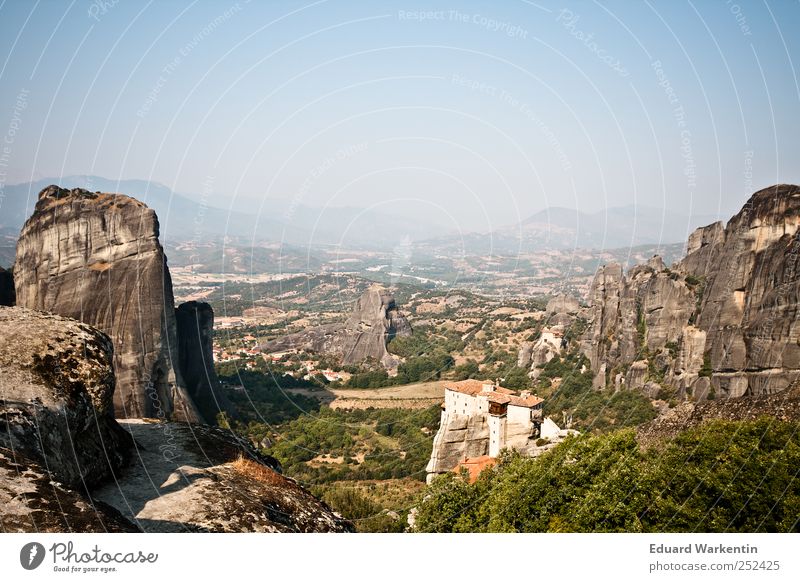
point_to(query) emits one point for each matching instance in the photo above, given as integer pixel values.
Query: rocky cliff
(373, 322)
(7, 294)
(96, 257)
(67, 465)
(195, 328)
(721, 323)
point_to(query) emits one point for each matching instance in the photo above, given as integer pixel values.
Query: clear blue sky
(478, 112)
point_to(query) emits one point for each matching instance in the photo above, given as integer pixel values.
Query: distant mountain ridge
(182, 217)
(195, 218)
(558, 228)
(618, 226)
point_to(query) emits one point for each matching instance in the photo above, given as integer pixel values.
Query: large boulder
(375, 320)
(56, 397)
(96, 258)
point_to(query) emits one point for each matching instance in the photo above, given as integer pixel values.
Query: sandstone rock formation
(459, 437)
(64, 458)
(193, 478)
(7, 294)
(563, 304)
(97, 258)
(195, 330)
(374, 321)
(56, 392)
(547, 346)
(723, 322)
(751, 285)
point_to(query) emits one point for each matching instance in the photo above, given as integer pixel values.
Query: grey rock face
(374, 321)
(728, 309)
(96, 258)
(563, 304)
(7, 294)
(601, 342)
(750, 301)
(56, 397)
(195, 328)
(460, 436)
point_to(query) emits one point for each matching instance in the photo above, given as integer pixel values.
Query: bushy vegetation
(380, 507)
(389, 443)
(423, 341)
(721, 477)
(264, 398)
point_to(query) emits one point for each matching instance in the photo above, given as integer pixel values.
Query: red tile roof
(473, 387)
(475, 465)
(528, 402)
(498, 398)
(499, 395)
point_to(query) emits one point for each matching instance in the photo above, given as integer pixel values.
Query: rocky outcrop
(547, 346)
(601, 341)
(375, 320)
(751, 289)
(723, 322)
(30, 501)
(193, 478)
(363, 337)
(96, 258)
(563, 304)
(195, 330)
(64, 459)
(7, 294)
(459, 437)
(56, 397)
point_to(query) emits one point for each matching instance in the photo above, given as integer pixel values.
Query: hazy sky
(474, 113)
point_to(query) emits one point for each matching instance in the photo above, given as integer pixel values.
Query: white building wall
(497, 434)
(482, 405)
(519, 414)
(458, 403)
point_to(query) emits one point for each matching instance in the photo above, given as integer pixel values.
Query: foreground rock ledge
(195, 478)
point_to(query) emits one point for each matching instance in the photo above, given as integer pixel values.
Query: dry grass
(258, 472)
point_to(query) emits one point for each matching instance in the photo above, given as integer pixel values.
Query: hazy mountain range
(195, 218)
